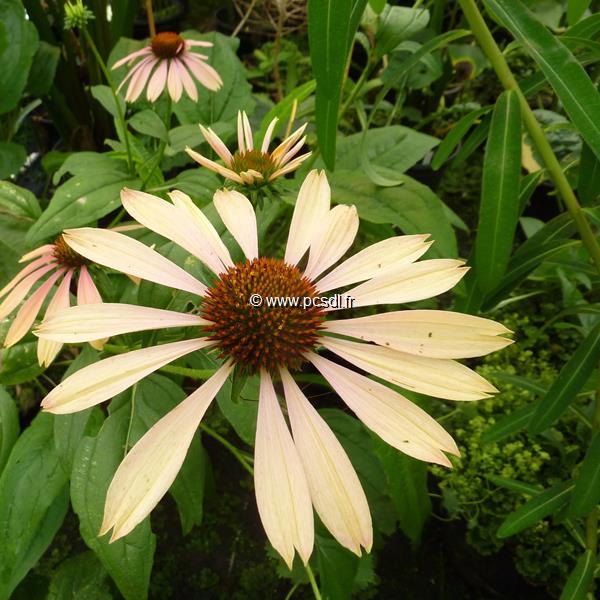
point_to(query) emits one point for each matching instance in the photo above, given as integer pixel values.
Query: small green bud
(77, 15)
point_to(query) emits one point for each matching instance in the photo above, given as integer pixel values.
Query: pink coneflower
(169, 62)
(248, 165)
(307, 467)
(60, 262)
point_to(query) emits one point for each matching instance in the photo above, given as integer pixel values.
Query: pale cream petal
(22, 289)
(174, 82)
(199, 43)
(331, 239)
(280, 151)
(30, 268)
(172, 223)
(240, 132)
(312, 208)
(45, 249)
(433, 333)
(335, 489)
(125, 254)
(216, 144)
(247, 132)
(410, 283)
(29, 311)
(158, 81)
(390, 415)
(89, 322)
(107, 378)
(149, 469)
(292, 152)
(204, 228)
(213, 166)
(291, 166)
(282, 493)
(46, 349)
(87, 293)
(375, 260)
(267, 139)
(237, 214)
(438, 377)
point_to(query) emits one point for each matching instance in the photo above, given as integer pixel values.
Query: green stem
(357, 87)
(163, 143)
(492, 51)
(313, 582)
(235, 451)
(108, 78)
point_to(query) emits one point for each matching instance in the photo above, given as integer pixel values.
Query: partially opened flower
(414, 349)
(169, 62)
(60, 263)
(250, 166)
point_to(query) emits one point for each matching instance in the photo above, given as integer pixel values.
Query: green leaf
(514, 485)
(588, 183)
(586, 494)
(536, 509)
(104, 95)
(149, 123)
(331, 28)
(455, 135)
(19, 364)
(581, 578)
(234, 95)
(529, 184)
(80, 577)
(575, 10)
(337, 569)
(407, 482)
(499, 207)
(577, 93)
(129, 559)
(570, 379)
(17, 54)
(34, 478)
(12, 158)
(43, 69)
(508, 425)
(396, 24)
(413, 207)
(9, 426)
(90, 194)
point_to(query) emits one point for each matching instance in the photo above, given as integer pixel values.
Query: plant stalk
(492, 51)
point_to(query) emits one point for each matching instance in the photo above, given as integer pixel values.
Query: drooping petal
(438, 377)
(157, 81)
(410, 283)
(199, 43)
(45, 249)
(172, 223)
(282, 493)
(204, 73)
(125, 254)
(216, 144)
(174, 82)
(107, 378)
(391, 416)
(22, 289)
(312, 208)
(30, 268)
(433, 333)
(136, 69)
(149, 469)
(129, 57)
(237, 214)
(267, 139)
(332, 239)
(204, 228)
(335, 490)
(29, 311)
(186, 79)
(92, 321)
(46, 349)
(140, 78)
(375, 260)
(214, 166)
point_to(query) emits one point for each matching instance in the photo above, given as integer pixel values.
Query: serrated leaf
(33, 477)
(570, 379)
(536, 509)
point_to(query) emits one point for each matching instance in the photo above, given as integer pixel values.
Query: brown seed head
(66, 256)
(167, 44)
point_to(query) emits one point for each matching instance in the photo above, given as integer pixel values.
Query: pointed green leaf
(575, 10)
(570, 379)
(586, 494)
(536, 509)
(581, 578)
(9, 426)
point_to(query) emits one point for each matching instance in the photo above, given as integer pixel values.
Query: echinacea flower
(169, 62)
(248, 165)
(60, 263)
(307, 467)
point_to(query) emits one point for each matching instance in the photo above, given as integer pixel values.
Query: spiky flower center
(66, 256)
(262, 336)
(255, 160)
(167, 44)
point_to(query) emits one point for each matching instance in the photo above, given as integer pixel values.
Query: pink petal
(158, 81)
(204, 73)
(45, 249)
(32, 266)
(87, 292)
(216, 144)
(267, 139)
(22, 289)
(174, 81)
(186, 80)
(140, 78)
(131, 56)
